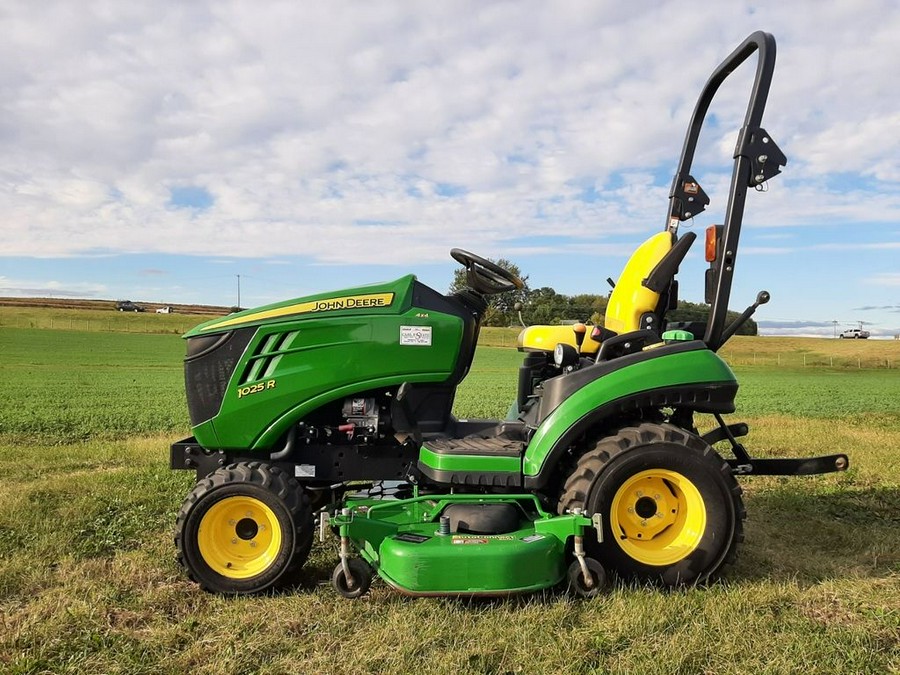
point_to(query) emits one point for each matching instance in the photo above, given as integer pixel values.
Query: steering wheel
(484, 276)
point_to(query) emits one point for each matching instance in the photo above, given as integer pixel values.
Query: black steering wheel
(484, 276)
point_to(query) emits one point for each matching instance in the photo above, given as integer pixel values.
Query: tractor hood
(393, 297)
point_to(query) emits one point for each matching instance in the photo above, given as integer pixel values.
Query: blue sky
(157, 151)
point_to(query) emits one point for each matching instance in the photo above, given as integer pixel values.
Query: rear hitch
(745, 465)
(799, 466)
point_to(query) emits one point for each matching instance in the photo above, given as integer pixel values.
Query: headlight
(565, 355)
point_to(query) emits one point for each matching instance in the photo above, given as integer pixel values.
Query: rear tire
(244, 528)
(672, 511)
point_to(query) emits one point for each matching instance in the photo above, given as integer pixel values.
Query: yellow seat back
(630, 299)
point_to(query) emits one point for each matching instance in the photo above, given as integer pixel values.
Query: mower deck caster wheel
(577, 580)
(362, 578)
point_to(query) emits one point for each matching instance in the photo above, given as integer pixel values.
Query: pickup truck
(855, 334)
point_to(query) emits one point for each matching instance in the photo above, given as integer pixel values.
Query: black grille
(208, 367)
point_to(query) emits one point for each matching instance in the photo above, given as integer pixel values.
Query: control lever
(761, 298)
(579, 329)
(518, 308)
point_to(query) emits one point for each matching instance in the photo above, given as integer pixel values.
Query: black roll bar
(756, 159)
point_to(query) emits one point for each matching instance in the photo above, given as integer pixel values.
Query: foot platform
(473, 461)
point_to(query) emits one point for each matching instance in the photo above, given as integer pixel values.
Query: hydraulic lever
(761, 298)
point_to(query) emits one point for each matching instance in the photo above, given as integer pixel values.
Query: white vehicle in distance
(855, 334)
(164, 310)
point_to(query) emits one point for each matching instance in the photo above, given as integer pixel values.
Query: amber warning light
(712, 233)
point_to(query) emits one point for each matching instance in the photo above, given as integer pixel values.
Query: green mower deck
(418, 552)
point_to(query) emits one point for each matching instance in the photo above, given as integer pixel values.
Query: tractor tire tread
(272, 479)
(577, 487)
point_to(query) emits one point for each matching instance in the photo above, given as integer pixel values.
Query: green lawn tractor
(336, 408)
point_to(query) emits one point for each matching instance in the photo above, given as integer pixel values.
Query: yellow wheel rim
(658, 517)
(239, 537)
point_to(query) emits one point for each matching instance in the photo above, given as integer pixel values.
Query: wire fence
(149, 323)
(809, 360)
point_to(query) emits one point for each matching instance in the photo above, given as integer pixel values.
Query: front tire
(244, 528)
(672, 511)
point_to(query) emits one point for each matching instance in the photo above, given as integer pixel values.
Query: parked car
(128, 306)
(164, 310)
(855, 334)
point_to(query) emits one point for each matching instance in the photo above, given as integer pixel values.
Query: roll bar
(756, 159)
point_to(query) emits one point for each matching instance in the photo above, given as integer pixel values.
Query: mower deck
(432, 545)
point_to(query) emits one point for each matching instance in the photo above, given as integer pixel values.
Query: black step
(493, 447)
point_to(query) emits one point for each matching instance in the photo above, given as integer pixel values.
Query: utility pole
(835, 324)
(239, 289)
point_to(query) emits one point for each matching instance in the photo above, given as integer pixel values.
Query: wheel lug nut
(630, 510)
(231, 522)
(234, 541)
(252, 544)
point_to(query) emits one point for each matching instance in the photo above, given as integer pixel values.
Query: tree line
(545, 306)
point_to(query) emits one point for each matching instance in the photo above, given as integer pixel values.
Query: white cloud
(476, 122)
(885, 279)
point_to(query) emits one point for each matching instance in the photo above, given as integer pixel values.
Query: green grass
(88, 580)
(70, 385)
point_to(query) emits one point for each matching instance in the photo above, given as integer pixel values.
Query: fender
(684, 375)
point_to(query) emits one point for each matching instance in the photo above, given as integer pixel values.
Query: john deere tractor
(337, 408)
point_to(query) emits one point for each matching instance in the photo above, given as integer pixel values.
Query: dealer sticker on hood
(419, 336)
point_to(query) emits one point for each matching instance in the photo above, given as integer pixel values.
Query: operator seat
(631, 304)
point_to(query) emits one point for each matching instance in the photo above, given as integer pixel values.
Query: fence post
(804, 359)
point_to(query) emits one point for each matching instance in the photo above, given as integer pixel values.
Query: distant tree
(544, 305)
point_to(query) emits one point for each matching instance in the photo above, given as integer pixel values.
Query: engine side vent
(267, 355)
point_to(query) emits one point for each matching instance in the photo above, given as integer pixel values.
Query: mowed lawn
(89, 584)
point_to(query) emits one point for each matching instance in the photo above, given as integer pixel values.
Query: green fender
(697, 379)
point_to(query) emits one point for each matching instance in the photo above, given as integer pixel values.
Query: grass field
(88, 580)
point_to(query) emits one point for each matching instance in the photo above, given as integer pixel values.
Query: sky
(176, 152)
